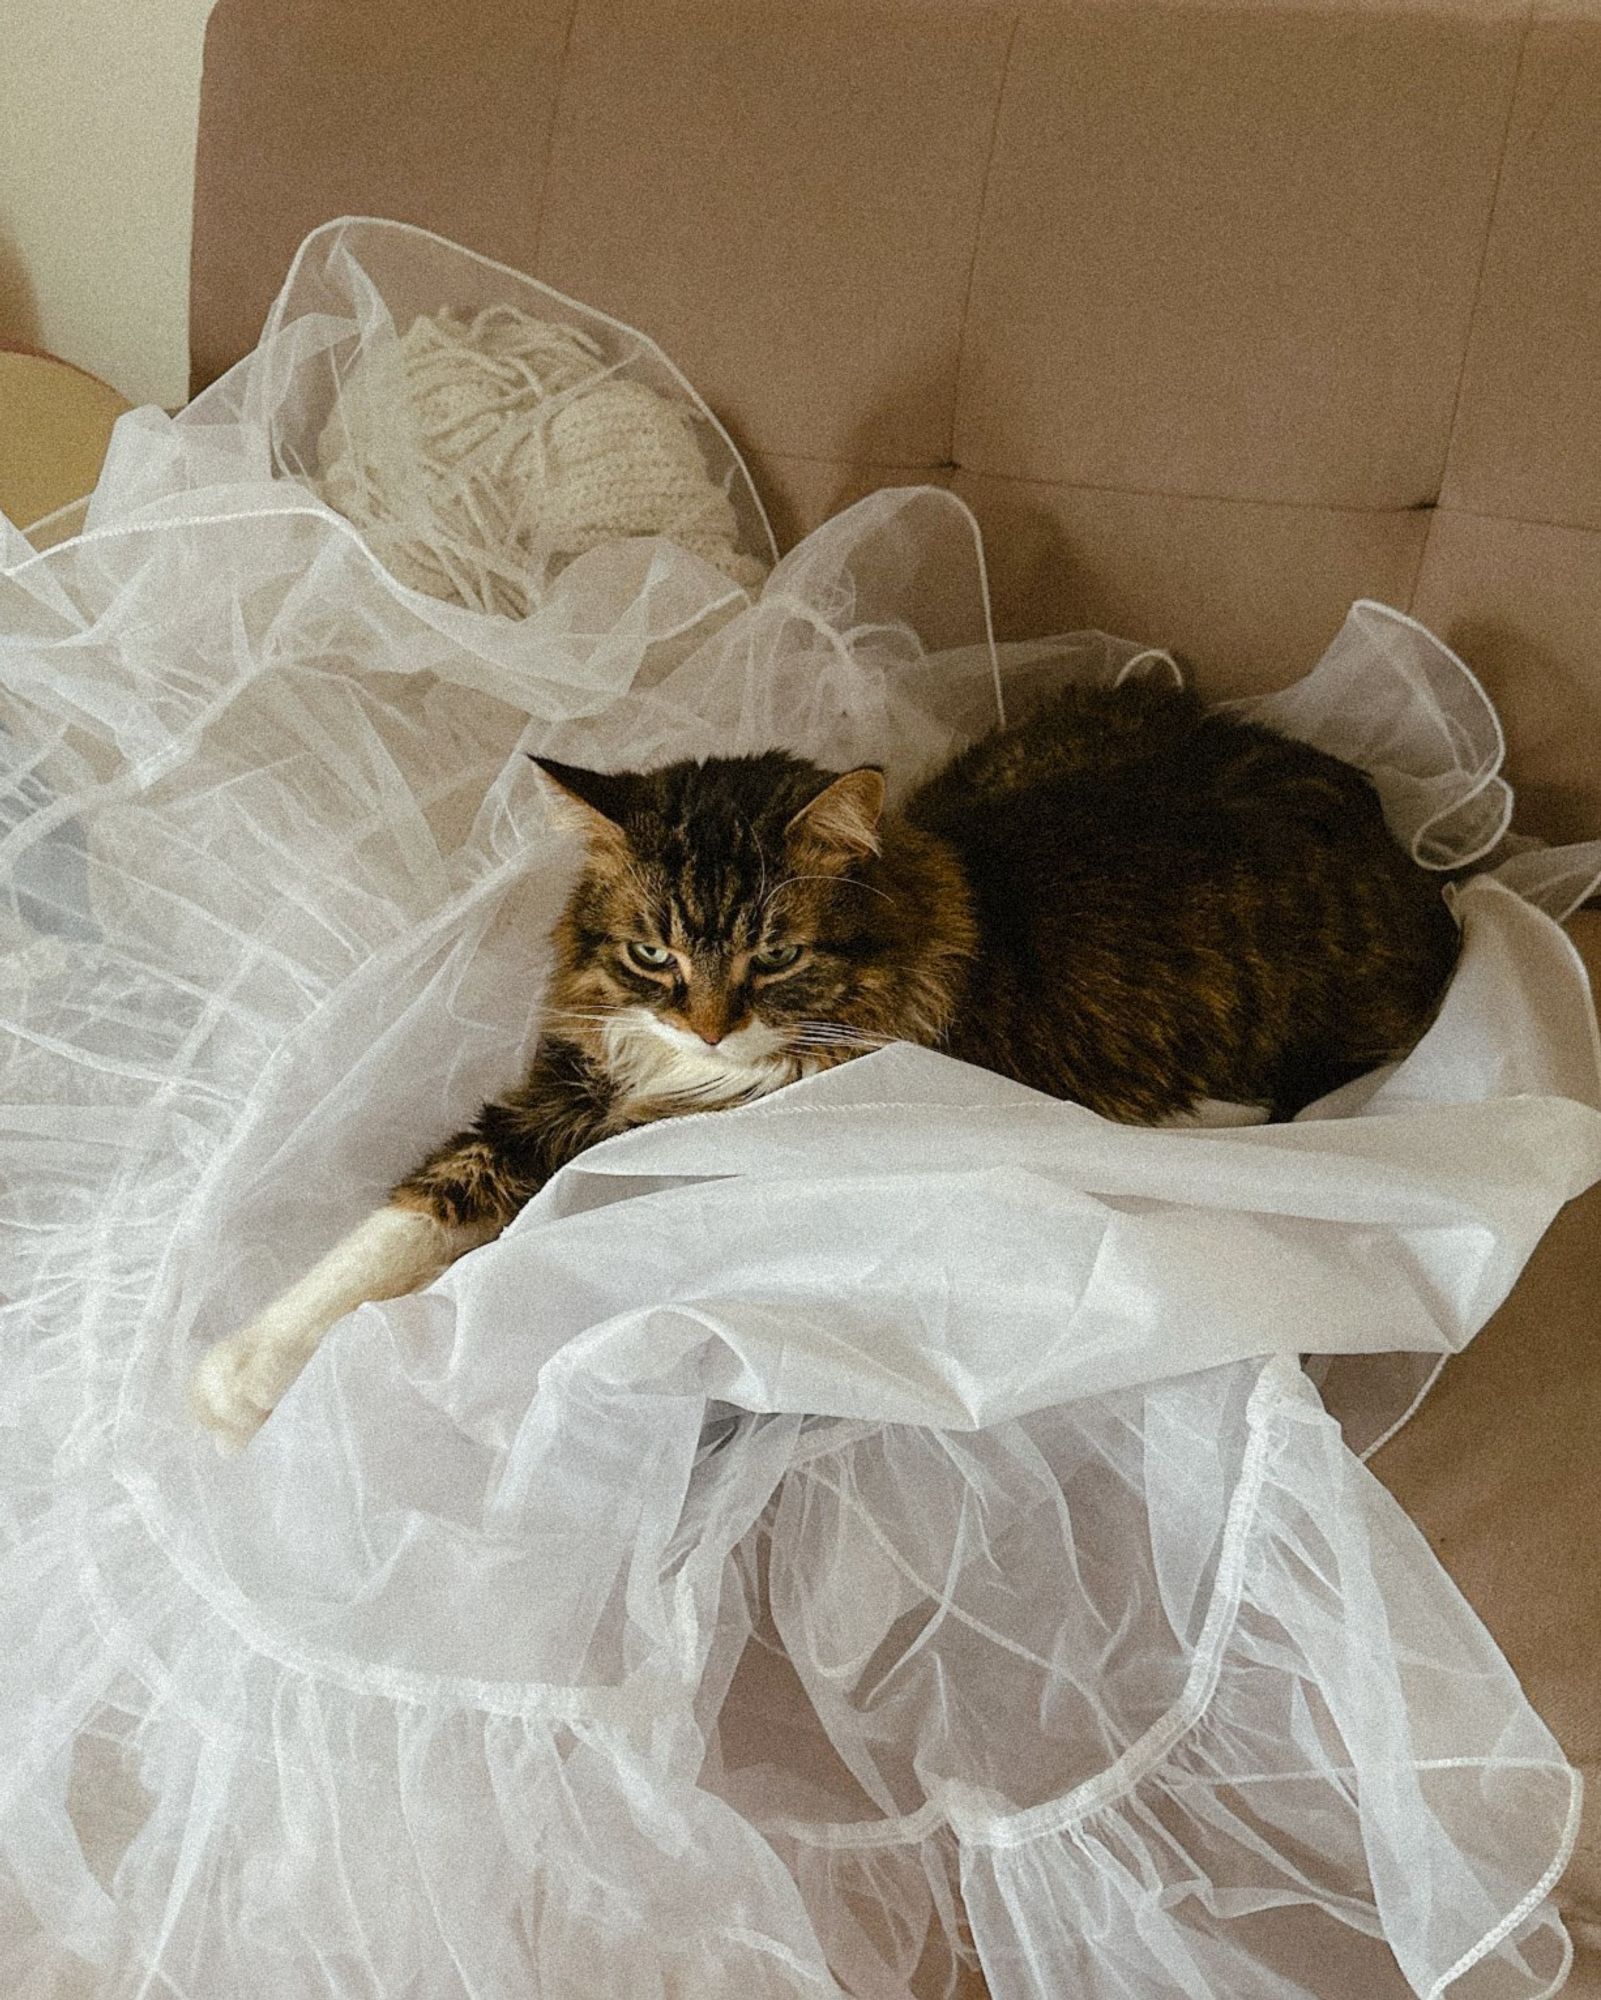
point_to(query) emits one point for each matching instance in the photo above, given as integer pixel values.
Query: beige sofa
(1220, 316)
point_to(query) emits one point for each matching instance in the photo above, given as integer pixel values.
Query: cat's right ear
(588, 802)
(841, 822)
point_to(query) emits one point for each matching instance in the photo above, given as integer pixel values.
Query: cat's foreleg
(462, 1195)
(238, 1382)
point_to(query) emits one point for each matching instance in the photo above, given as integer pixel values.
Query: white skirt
(876, 1536)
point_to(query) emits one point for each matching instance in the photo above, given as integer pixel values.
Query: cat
(1128, 900)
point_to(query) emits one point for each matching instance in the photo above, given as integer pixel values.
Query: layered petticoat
(840, 1545)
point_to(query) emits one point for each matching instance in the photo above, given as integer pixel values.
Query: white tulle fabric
(832, 1547)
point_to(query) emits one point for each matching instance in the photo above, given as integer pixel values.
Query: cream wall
(98, 107)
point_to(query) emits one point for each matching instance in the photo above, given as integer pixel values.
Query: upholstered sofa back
(1219, 315)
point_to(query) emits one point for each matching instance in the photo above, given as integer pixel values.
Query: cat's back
(1099, 772)
(1081, 736)
(1173, 904)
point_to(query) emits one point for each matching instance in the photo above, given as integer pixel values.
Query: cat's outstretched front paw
(237, 1384)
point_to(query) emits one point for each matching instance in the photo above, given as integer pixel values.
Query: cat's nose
(711, 1018)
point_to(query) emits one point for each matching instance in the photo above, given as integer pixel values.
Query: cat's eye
(776, 957)
(652, 957)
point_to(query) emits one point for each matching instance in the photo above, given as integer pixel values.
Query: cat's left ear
(843, 818)
(588, 802)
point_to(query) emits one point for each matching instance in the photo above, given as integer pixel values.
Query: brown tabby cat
(1126, 901)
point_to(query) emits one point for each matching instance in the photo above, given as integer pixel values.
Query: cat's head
(723, 937)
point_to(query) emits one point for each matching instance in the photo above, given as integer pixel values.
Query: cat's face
(720, 941)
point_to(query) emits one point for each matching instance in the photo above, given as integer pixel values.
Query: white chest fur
(651, 1061)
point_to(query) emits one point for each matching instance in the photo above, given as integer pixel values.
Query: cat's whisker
(839, 881)
(836, 1038)
(839, 1041)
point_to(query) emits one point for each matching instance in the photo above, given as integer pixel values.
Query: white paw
(237, 1384)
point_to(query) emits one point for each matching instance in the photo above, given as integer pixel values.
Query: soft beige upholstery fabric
(1220, 315)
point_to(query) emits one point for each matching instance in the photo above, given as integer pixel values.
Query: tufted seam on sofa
(982, 216)
(542, 188)
(1478, 290)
